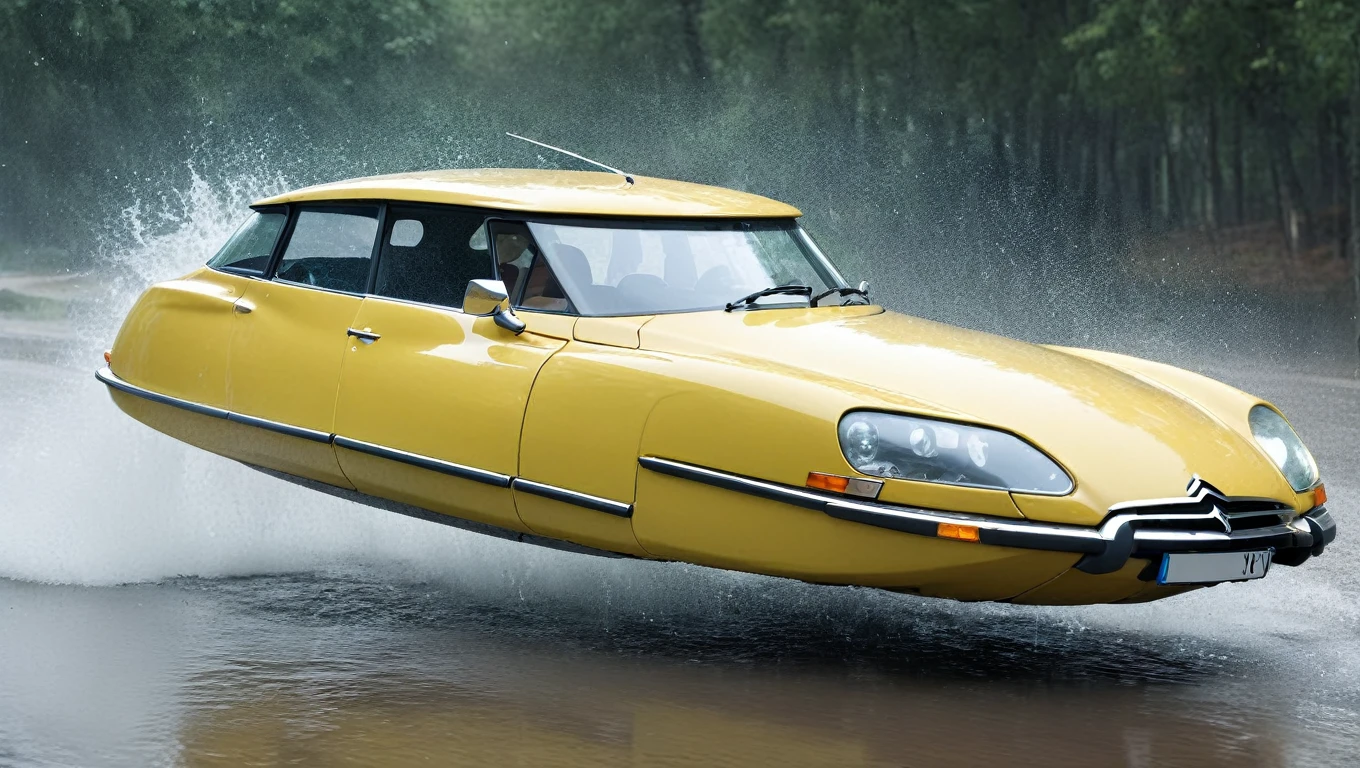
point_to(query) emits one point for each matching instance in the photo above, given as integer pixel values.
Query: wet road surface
(270, 626)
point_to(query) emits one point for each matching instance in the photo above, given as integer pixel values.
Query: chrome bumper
(1105, 549)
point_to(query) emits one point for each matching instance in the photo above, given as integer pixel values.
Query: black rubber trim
(608, 506)
(425, 462)
(1112, 557)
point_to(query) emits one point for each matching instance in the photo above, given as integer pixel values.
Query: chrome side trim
(1105, 548)
(107, 377)
(425, 462)
(914, 520)
(596, 503)
(421, 513)
(761, 488)
(283, 429)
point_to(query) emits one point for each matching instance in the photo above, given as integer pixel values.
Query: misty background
(1170, 178)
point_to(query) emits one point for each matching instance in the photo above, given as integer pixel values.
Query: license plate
(1213, 567)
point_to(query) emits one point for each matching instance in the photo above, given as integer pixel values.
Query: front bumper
(1104, 549)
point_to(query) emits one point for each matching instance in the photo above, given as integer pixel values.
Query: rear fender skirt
(523, 485)
(435, 517)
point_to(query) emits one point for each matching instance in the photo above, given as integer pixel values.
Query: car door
(430, 411)
(290, 337)
(175, 341)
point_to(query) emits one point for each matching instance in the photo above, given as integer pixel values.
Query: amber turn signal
(108, 356)
(827, 482)
(960, 532)
(1320, 495)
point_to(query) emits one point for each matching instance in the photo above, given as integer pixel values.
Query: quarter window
(331, 248)
(426, 256)
(251, 247)
(529, 278)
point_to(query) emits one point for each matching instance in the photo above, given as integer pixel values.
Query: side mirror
(487, 298)
(864, 287)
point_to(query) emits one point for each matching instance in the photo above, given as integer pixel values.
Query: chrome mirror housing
(488, 298)
(484, 297)
(864, 287)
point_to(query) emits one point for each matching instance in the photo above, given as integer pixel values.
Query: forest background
(1085, 171)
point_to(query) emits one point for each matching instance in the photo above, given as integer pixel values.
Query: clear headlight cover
(1278, 440)
(912, 448)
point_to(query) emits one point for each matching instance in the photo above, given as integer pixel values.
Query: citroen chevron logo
(1222, 518)
(1200, 491)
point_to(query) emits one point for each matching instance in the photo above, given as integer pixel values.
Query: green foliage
(1041, 105)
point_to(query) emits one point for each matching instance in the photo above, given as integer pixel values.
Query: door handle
(367, 337)
(242, 307)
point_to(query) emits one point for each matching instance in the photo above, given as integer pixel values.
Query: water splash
(88, 496)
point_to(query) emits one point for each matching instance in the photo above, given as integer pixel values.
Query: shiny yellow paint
(586, 193)
(574, 402)
(284, 366)
(192, 316)
(1121, 436)
(682, 520)
(440, 384)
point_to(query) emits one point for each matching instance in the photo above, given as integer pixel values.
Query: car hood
(1123, 433)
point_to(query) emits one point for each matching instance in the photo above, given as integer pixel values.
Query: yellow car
(663, 370)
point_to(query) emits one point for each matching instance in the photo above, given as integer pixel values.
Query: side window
(427, 257)
(331, 248)
(528, 277)
(250, 248)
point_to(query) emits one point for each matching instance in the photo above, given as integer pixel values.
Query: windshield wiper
(843, 292)
(745, 302)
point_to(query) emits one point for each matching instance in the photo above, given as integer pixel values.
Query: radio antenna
(569, 153)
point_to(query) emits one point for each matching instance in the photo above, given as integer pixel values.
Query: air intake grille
(1238, 513)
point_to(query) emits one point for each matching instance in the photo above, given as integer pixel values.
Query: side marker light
(1320, 495)
(827, 482)
(108, 356)
(852, 486)
(959, 532)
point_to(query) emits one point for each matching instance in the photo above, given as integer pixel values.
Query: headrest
(573, 262)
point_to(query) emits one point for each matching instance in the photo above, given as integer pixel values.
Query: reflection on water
(334, 634)
(350, 667)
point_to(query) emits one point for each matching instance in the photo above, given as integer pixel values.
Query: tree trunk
(1171, 181)
(1327, 174)
(1239, 170)
(1215, 207)
(1345, 185)
(1001, 166)
(1090, 163)
(689, 32)
(1355, 185)
(1288, 189)
(1115, 197)
(1284, 208)
(1146, 175)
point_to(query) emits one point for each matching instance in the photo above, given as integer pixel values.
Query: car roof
(584, 193)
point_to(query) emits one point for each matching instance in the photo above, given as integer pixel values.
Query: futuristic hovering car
(656, 369)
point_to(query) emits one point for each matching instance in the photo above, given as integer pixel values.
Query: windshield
(642, 268)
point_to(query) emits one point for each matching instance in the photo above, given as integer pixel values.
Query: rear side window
(331, 248)
(250, 248)
(426, 256)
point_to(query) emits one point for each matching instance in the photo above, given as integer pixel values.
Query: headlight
(1278, 440)
(911, 448)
